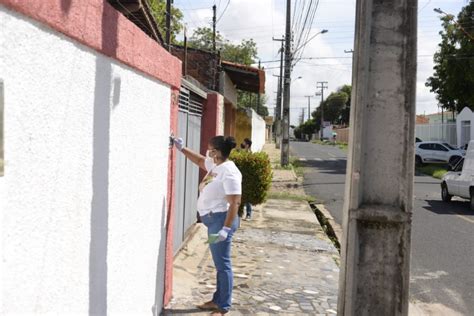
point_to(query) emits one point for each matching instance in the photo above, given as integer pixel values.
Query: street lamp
(309, 40)
(452, 18)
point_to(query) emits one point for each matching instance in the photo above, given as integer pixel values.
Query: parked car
(437, 152)
(460, 180)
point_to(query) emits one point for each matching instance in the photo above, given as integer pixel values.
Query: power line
(227, 5)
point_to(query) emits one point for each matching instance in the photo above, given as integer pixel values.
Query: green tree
(453, 77)
(336, 107)
(158, 10)
(243, 53)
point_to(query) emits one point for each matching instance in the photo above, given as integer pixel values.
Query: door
(441, 153)
(187, 173)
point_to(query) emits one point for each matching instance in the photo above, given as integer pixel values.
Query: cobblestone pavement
(283, 264)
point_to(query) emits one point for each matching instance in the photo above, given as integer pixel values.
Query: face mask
(208, 154)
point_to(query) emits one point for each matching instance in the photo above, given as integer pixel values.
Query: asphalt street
(442, 260)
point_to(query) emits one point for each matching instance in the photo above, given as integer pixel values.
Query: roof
(422, 119)
(139, 12)
(245, 77)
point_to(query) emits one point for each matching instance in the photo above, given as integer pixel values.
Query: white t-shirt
(224, 179)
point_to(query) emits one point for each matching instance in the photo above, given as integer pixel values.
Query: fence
(342, 135)
(437, 132)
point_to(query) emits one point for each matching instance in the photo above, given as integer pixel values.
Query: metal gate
(187, 173)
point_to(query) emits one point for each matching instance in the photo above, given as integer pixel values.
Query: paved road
(442, 265)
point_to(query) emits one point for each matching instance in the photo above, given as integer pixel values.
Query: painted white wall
(258, 132)
(86, 153)
(465, 115)
(327, 132)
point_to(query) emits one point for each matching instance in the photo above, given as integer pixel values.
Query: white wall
(465, 115)
(258, 132)
(86, 150)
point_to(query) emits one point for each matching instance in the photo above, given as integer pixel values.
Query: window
(449, 146)
(440, 147)
(426, 146)
(458, 167)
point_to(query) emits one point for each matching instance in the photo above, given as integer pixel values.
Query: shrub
(256, 176)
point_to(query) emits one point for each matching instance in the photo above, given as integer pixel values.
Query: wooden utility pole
(214, 28)
(375, 271)
(279, 96)
(285, 142)
(168, 24)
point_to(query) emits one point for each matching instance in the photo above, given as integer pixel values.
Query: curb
(335, 226)
(331, 228)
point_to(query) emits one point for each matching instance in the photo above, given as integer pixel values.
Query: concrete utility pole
(285, 142)
(279, 99)
(374, 276)
(309, 105)
(322, 85)
(214, 28)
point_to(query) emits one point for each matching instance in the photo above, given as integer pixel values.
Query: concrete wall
(243, 126)
(250, 125)
(86, 183)
(258, 132)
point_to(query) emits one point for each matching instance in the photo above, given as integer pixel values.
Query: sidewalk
(283, 262)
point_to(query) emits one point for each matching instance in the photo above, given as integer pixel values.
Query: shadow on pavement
(332, 166)
(177, 311)
(449, 208)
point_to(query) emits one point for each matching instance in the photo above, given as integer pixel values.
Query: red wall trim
(171, 201)
(98, 25)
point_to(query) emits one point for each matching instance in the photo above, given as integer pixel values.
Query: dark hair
(223, 144)
(248, 142)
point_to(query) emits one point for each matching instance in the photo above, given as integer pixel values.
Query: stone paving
(283, 264)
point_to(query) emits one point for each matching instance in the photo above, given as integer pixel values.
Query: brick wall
(201, 65)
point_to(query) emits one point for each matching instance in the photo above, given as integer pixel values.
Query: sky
(263, 20)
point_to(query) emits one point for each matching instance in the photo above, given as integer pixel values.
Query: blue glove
(179, 143)
(223, 233)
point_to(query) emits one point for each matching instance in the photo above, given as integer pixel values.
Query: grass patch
(342, 146)
(435, 171)
(289, 196)
(294, 164)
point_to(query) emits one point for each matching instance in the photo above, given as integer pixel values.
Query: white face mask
(208, 155)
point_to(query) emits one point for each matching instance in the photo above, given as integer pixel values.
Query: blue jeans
(221, 256)
(248, 207)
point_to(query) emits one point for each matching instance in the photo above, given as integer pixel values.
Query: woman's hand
(179, 143)
(223, 233)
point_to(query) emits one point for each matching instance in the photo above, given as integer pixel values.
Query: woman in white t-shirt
(218, 204)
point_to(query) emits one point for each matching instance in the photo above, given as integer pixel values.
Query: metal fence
(437, 132)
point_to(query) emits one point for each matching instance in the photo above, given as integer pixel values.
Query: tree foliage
(337, 107)
(453, 77)
(244, 53)
(158, 10)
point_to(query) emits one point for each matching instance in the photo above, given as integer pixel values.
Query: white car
(460, 181)
(437, 152)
